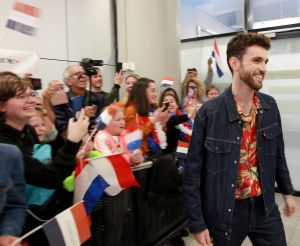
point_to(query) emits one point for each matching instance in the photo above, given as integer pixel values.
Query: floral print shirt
(248, 183)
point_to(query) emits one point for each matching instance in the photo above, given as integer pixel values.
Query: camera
(88, 65)
(36, 83)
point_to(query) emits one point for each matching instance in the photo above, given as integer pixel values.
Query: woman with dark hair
(141, 108)
(180, 124)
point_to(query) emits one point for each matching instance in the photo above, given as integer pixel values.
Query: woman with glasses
(17, 106)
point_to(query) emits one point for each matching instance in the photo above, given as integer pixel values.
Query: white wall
(149, 36)
(67, 30)
(282, 82)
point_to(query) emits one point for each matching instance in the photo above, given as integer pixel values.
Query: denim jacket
(213, 158)
(12, 191)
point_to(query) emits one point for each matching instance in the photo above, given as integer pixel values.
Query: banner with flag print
(217, 57)
(110, 174)
(133, 137)
(23, 18)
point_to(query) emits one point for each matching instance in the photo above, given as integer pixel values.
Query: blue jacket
(64, 112)
(213, 157)
(12, 191)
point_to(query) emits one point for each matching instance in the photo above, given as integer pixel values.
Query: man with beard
(236, 155)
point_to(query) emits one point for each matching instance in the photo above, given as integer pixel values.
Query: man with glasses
(92, 103)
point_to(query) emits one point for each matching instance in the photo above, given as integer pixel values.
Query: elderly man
(77, 81)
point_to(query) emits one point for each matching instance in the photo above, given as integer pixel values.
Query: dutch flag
(216, 55)
(93, 177)
(24, 18)
(133, 137)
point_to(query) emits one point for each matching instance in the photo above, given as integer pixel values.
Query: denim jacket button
(238, 138)
(235, 162)
(226, 233)
(232, 185)
(229, 210)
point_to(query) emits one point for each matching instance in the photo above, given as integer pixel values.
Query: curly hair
(237, 45)
(199, 84)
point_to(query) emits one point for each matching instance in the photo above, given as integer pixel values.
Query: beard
(248, 79)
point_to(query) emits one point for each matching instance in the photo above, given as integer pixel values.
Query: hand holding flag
(109, 174)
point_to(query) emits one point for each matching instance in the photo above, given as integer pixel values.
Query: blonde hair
(199, 84)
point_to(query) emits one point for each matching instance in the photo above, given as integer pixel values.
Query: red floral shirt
(248, 184)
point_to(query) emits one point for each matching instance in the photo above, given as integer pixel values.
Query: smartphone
(166, 106)
(119, 67)
(191, 92)
(36, 83)
(59, 96)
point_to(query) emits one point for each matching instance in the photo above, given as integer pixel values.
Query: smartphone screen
(191, 92)
(119, 67)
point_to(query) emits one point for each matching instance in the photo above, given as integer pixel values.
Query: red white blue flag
(69, 228)
(134, 137)
(23, 18)
(217, 57)
(110, 174)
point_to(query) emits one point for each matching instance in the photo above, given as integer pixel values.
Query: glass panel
(210, 17)
(272, 13)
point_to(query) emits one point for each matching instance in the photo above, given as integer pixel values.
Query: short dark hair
(238, 44)
(138, 96)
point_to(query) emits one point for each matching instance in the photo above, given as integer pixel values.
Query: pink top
(109, 144)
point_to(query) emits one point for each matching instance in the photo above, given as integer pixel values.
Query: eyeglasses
(26, 95)
(77, 74)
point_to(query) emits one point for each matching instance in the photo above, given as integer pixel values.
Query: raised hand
(78, 129)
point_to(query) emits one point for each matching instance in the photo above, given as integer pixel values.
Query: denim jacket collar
(231, 106)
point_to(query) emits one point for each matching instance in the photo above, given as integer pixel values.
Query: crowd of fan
(44, 135)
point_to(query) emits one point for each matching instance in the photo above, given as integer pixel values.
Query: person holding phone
(194, 91)
(141, 108)
(97, 83)
(180, 124)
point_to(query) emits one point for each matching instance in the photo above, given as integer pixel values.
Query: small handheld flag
(216, 55)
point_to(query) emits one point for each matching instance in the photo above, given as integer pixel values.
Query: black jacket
(36, 173)
(173, 134)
